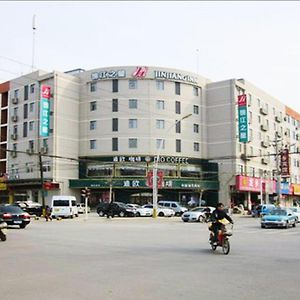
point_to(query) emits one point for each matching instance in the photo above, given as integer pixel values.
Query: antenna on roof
(33, 42)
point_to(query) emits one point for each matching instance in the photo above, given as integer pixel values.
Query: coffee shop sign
(174, 76)
(148, 159)
(108, 74)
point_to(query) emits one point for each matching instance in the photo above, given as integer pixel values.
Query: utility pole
(278, 177)
(42, 183)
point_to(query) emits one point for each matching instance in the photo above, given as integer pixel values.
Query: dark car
(33, 208)
(117, 209)
(14, 215)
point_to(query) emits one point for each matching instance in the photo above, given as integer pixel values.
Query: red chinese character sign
(160, 179)
(46, 91)
(140, 72)
(284, 163)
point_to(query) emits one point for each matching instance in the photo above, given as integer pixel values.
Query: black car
(33, 208)
(14, 215)
(117, 209)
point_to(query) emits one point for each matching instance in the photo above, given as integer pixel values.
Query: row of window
(133, 123)
(133, 144)
(133, 104)
(133, 85)
(31, 145)
(27, 89)
(26, 108)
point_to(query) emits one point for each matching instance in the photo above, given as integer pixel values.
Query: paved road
(143, 259)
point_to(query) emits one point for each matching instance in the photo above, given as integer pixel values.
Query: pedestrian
(48, 213)
(110, 210)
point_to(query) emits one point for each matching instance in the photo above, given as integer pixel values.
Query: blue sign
(243, 124)
(44, 117)
(285, 188)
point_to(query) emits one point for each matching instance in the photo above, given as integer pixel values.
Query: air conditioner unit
(44, 150)
(14, 136)
(265, 160)
(264, 127)
(244, 157)
(264, 144)
(14, 118)
(13, 154)
(278, 119)
(279, 134)
(30, 151)
(263, 111)
(15, 100)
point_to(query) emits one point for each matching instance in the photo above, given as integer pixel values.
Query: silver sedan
(197, 214)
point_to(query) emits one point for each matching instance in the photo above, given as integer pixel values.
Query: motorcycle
(3, 229)
(223, 236)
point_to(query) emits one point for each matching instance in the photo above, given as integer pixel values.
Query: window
(160, 144)
(250, 117)
(160, 85)
(160, 104)
(178, 127)
(160, 124)
(177, 107)
(115, 123)
(93, 125)
(32, 86)
(250, 135)
(196, 128)
(196, 147)
(132, 123)
(259, 119)
(115, 106)
(25, 111)
(15, 147)
(114, 144)
(133, 83)
(133, 104)
(93, 86)
(93, 106)
(258, 102)
(15, 111)
(92, 144)
(16, 93)
(196, 109)
(177, 88)
(31, 124)
(249, 99)
(195, 91)
(178, 145)
(31, 144)
(31, 107)
(132, 143)
(115, 85)
(274, 111)
(45, 143)
(26, 92)
(15, 129)
(25, 129)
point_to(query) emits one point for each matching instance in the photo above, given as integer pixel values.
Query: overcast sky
(258, 41)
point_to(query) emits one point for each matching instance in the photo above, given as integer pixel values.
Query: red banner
(284, 163)
(160, 179)
(46, 91)
(242, 100)
(254, 184)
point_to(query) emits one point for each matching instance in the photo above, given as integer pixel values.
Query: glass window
(32, 86)
(196, 109)
(115, 105)
(15, 147)
(195, 91)
(31, 144)
(133, 83)
(26, 92)
(45, 143)
(25, 111)
(259, 119)
(99, 171)
(160, 144)
(160, 85)
(15, 129)
(93, 125)
(133, 103)
(178, 127)
(177, 88)
(31, 124)
(190, 171)
(25, 124)
(250, 117)
(31, 107)
(115, 85)
(177, 107)
(160, 104)
(132, 123)
(178, 145)
(16, 93)
(160, 124)
(258, 102)
(93, 106)
(16, 111)
(132, 143)
(196, 147)
(93, 86)
(136, 170)
(115, 144)
(169, 170)
(92, 144)
(115, 124)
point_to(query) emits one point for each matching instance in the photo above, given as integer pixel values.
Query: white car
(196, 214)
(296, 211)
(141, 211)
(162, 211)
(81, 208)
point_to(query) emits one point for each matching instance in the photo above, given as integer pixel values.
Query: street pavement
(143, 258)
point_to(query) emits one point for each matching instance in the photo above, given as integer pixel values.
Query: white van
(64, 206)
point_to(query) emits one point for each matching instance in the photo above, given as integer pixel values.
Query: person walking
(48, 213)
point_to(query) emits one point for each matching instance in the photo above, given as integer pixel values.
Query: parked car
(118, 209)
(81, 208)
(14, 215)
(162, 211)
(179, 210)
(64, 206)
(196, 214)
(141, 211)
(262, 210)
(296, 211)
(279, 217)
(33, 208)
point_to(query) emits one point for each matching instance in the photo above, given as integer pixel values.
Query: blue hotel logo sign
(45, 111)
(243, 118)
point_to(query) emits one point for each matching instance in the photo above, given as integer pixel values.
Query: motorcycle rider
(218, 214)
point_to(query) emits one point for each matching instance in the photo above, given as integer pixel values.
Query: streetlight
(155, 166)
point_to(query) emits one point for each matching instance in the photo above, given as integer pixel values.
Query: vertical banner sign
(243, 118)
(45, 111)
(284, 163)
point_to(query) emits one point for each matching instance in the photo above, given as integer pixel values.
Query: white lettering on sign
(173, 160)
(174, 76)
(108, 74)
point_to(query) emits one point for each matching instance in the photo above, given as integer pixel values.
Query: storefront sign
(243, 118)
(286, 188)
(162, 159)
(140, 72)
(111, 74)
(284, 163)
(253, 184)
(45, 111)
(296, 189)
(174, 76)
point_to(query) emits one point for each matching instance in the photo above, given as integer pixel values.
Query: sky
(258, 41)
